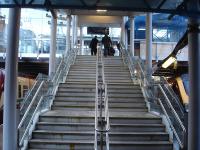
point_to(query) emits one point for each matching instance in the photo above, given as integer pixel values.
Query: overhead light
(171, 59)
(141, 29)
(101, 10)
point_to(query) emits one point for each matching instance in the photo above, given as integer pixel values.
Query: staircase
(70, 123)
(132, 127)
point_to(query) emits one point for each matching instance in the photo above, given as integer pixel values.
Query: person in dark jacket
(107, 44)
(93, 45)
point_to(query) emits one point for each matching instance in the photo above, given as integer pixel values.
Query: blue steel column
(132, 35)
(149, 45)
(52, 57)
(194, 73)
(10, 92)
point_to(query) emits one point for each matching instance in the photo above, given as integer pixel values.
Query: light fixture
(101, 10)
(171, 59)
(141, 29)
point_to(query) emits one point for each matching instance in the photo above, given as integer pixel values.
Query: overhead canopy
(161, 6)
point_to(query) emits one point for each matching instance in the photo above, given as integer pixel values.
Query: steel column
(149, 45)
(194, 73)
(132, 35)
(10, 92)
(52, 58)
(81, 41)
(68, 33)
(123, 30)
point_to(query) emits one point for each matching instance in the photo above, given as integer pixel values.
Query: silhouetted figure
(107, 44)
(93, 45)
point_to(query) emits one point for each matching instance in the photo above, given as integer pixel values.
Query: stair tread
(92, 132)
(61, 141)
(92, 124)
(63, 113)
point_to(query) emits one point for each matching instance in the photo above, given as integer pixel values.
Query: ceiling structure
(160, 6)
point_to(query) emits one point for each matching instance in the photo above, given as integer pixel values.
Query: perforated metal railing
(159, 96)
(40, 98)
(102, 124)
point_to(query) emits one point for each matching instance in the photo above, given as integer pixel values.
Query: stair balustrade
(102, 124)
(159, 95)
(40, 98)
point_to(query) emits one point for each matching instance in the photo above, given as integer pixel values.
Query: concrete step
(75, 94)
(92, 104)
(54, 126)
(138, 136)
(143, 145)
(89, 145)
(78, 85)
(61, 145)
(88, 117)
(126, 95)
(62, 98)
(73, 108)
(78, 77)
(67, 119)
(125, 91)
(78, 90)
(80, 80)
(63, 135)
(84, 69)
(89, 135)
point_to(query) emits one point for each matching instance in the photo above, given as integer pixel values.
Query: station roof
(161, 6)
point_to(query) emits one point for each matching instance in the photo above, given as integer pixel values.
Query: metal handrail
(101, 87)
(169, 121)
(172, 108)
(36, 106)
(31, 104)
(31, 92)
(147, 87)
(107, 118)
(96, 103)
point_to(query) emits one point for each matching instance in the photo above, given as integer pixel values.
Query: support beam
(52, 58)
(194, 74)
(126, 34)
(68, 45)
(123, 34)
(149, 45)
(194, 77)
(10, 92)
(132, 35)
(81, 40)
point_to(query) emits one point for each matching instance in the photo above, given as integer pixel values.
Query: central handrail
(102, 124)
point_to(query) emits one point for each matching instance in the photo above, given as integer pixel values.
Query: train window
(25, 90)
(19, 91)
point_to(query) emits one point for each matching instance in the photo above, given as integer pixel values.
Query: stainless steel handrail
(149, 94)
(31, 92)
(52, 85)
(172, 127)
(96, 103)
(107, 118)
(99, 98)
(172, 108)
(29, 107)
